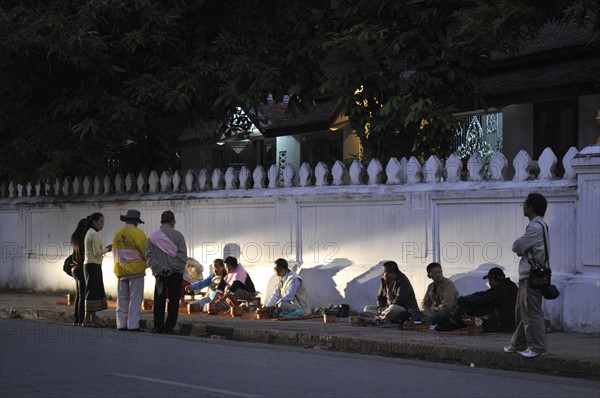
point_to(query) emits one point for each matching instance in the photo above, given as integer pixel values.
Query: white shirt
(531, 244)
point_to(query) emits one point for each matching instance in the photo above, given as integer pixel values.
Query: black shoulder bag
(68, 264)
(540, 276)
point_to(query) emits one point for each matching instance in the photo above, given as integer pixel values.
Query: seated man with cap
(496, 306)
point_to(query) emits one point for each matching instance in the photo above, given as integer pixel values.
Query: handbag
(550, 292)
(67, 265)
(540, 276)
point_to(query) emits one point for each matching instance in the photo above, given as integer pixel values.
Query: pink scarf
(163, 242)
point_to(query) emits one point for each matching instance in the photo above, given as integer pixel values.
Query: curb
(549, 364)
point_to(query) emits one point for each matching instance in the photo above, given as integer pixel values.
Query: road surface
(41, 359)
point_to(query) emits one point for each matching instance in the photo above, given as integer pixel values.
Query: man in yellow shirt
(129, 250)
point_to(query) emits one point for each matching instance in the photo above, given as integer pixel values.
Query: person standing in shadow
(529, 338)
(95, 296)
(166, 253)
(76, 267)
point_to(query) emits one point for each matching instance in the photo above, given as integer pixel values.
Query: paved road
(40, 359)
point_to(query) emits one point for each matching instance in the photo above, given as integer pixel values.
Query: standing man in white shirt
(529, 338)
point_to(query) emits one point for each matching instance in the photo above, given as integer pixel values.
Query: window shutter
(555, 125)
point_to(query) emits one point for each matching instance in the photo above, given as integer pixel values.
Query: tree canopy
(87, 84)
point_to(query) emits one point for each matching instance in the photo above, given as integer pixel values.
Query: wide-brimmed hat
(194, 269)
(132, 215)
(495, 273)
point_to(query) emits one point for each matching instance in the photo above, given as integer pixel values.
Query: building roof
(275, 119)
(562, 61)
(554, 37)
(570, 78)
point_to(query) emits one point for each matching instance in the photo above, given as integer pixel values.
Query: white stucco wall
(337, 236)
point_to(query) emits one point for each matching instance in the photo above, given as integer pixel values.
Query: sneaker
(509, 349)
(529, 353)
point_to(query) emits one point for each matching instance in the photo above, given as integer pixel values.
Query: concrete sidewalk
(571, 355)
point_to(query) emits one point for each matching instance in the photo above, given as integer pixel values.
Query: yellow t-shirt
(129, 251)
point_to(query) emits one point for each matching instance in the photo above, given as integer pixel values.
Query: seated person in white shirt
(289, 294)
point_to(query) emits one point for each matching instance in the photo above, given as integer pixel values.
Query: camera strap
(532, 261)
(530, 252)
(544, 230)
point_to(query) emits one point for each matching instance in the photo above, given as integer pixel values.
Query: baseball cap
(495, 273)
